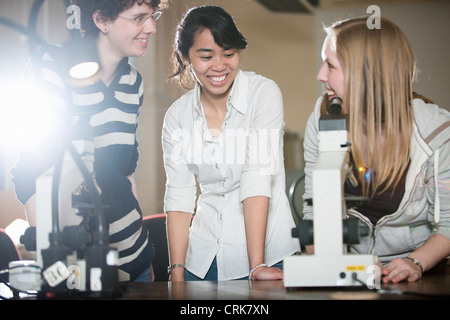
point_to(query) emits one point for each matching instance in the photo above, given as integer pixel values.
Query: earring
(105, 30)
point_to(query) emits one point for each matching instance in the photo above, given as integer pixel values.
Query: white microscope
(331, 265)
(71, 235)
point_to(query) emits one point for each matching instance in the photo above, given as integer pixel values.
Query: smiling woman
(220, 29)
(102, 113)
(212, 136)
(214, 67)
(112, 9)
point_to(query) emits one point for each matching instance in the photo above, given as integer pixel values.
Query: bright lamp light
(27, 117)
(84, 70)
(81, 61)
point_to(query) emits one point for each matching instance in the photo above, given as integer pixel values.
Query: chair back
(156, 226)
(8, 250)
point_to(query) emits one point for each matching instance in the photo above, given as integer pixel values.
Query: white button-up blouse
(245, 160)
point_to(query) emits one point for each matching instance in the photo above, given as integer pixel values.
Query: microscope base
(331, 271)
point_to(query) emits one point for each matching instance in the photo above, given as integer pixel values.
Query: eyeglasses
(139, 21)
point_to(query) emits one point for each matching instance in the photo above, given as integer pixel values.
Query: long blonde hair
(378, 67)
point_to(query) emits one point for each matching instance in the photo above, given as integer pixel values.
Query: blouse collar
(237, 98)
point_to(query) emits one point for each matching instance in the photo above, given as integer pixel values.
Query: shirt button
(216, 165)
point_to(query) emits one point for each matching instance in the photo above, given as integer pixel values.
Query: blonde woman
(400, 147)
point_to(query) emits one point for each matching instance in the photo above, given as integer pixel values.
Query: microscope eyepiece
(336, 105)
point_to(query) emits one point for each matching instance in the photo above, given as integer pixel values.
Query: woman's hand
(436, 248)
(177, 274)
(267, 273)
(400, 269)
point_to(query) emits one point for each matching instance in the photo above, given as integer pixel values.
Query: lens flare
(27, 115)
(84, 70)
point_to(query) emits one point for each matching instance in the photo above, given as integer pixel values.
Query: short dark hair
(108, 8)
(197, 19)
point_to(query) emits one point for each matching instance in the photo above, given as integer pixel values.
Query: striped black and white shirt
(107, 115)
(245, 160)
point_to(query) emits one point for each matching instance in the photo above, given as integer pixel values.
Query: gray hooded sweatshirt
(425, 207)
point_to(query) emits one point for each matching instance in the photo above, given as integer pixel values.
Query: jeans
(145, 276)
(211, 275)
